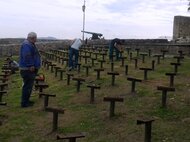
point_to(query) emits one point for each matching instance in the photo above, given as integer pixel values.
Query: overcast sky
(113, 18)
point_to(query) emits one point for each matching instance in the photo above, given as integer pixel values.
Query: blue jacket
(29, 56)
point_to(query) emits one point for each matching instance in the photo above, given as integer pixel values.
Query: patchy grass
(34, 125)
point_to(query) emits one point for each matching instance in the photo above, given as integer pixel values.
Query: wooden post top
(86, 66)
(78, 79)
(70, 136)
(99, 69)
(85, 56)
(144, 54)
(42, 85)
(177, 64)
(56, 67)
(93, 86)
(134, 79)
(115, 99)
(46, 94)
(165, 88)
(148, 69)
(123, 57)
(157, 55)
(53, 65)
(3, 103)
(113, 73)
(61, 70)
(135, 58)
(57, 110)
(171, 74)
(144, 121)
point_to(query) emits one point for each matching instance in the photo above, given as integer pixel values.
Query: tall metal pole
(83, 9)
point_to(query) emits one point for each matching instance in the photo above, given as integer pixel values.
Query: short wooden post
(158, 58)
(136, 62)
(133, 80)
(126, 69)
(79, 80)
(175, 66)
(41, 86)
(92, 88)
(145, 72)
(123, 61)
(137, 49)
(46, 98)
(164, 93)
(55, 112)
(71, 137)
(112, 101)
(113, 74)
(171, 78)
(149, 53)
(153, 65)
(78, 67)
(148, 128)
(98, 72)
(143, 57)
(69, 77)
(87, 69)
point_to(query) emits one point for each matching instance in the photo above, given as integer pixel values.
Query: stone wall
(144, 45)
(156, 48)
(13, 49)
(181, 29)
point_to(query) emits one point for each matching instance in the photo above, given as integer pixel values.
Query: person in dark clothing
(115, 45)
(29, 63)
(13, 65)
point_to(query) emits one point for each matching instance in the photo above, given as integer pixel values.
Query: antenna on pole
(83, 9)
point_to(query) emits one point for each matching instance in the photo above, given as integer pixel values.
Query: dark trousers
(73, 53)
(28, 82)
(118, 54)
(111, 53)
(111, 49)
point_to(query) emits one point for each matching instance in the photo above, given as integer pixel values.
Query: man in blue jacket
(29, 63)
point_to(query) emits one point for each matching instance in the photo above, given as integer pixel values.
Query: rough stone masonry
(181, 29)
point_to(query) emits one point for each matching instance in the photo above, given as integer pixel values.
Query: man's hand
(32, 68)
(119, 47)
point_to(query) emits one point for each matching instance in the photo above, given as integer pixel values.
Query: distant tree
(189, 6)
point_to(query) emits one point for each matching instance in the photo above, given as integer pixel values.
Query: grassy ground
(34, 125)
